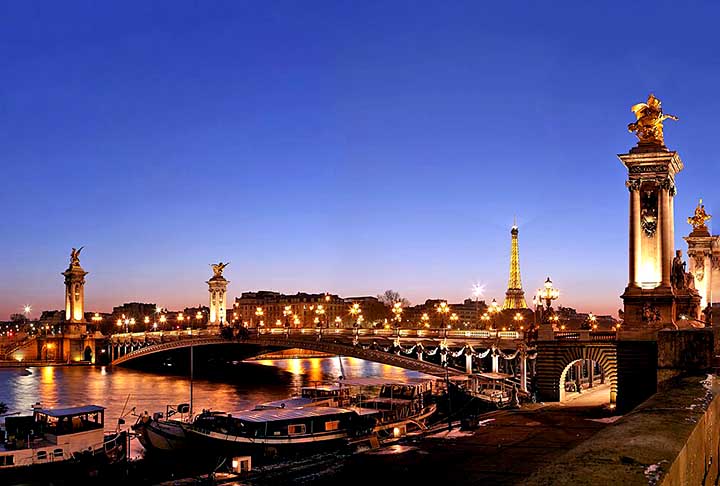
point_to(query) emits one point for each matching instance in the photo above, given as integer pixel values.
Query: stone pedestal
(649, 299)
(217, 287)
(75, 294)
(700, 259)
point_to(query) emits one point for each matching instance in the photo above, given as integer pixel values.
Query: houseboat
(399, 406)
(278, 431)
(67, 443)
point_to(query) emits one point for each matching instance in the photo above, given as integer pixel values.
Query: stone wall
(671, 439)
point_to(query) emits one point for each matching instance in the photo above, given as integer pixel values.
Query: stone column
(495, 363)
(591, 373)
(634, 250)
(523, 372)
(468, 364)
(667, 235)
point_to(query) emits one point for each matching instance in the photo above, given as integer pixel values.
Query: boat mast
(191, 380)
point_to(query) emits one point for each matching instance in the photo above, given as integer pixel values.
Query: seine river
(120, 389)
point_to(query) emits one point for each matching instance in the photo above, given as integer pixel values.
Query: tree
(390, 297)
(17, 318)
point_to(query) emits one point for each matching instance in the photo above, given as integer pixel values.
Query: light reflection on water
(120, 389)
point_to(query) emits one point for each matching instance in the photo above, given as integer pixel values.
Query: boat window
(296, 429)
(7, 460)
(41, 455)
(332, 425)
(58, 453)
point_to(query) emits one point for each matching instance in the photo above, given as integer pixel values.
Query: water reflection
(121, 389)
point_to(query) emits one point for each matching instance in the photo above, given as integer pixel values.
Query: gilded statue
(75, 257)
(218, 268)
(649, 124)
(698, 219)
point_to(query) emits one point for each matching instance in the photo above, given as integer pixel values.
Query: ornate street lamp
(320, 311)
(493, 309)
(453, 320)
(442, 309)
(485, 319)
(287, 312)
(548, 293)
(397, 310)
(355, 311)
(425, 318)
(518, 318)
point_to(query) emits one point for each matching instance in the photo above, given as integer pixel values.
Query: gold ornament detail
(698, 219)
(649, 124)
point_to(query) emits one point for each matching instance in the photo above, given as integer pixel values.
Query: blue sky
(348, 147)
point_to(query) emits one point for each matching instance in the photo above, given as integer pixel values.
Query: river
(120, 389)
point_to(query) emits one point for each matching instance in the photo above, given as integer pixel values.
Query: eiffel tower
(514, 297)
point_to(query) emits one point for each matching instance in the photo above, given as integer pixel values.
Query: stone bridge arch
(554, 359)
(334, 348)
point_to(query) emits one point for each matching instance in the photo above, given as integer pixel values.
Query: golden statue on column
(649, 124)
(698, 219)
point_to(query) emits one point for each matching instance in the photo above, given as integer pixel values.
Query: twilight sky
(339, 146)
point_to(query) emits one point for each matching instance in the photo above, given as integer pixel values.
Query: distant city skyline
(344, 148)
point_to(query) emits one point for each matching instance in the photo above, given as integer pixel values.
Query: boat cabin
(51, 435)
(288, 423)
(313, 396)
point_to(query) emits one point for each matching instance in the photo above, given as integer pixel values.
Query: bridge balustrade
(388, 333)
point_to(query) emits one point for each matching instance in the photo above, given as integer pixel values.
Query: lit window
(296, 429)
(332, 425)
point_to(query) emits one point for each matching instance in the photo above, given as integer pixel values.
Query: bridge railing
(327, 332)
(586, 335)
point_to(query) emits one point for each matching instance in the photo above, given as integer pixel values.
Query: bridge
(432, 351)
(429, 351)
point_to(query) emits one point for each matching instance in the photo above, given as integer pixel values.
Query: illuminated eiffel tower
(514, 297)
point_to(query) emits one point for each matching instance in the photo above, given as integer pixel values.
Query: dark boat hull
(102, 467)
(263, 449)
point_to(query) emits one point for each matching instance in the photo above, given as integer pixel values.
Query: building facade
(269, 309)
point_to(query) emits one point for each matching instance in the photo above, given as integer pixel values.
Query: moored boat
(68, 441)
(278, 431)
(162, 432)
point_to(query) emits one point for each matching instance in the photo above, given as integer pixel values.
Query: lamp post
(592, 322)
(259, 313)
(453, 320)
(548, 293)
(355, 311)
(320, 312)
(425, 318)
(397, 310)
(163, 320)
(485, 319)
(443, 309)
(518, 319)
(287, 312)
(494, 309)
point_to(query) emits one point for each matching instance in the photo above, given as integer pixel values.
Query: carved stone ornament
(647, 169)
(650, 313)
(649, 213)
(633, 185)
(699, 267)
